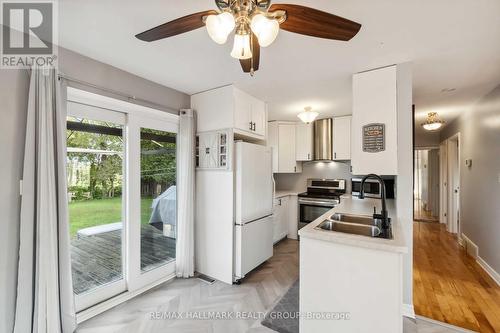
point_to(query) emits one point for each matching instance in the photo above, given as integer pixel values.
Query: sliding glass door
(122, 194)
(95, 168)
(153, 200)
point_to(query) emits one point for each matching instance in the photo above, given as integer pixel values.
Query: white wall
(404, 181)
(479, 129)
(13, 107)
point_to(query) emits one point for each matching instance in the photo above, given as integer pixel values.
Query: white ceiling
(452, 44)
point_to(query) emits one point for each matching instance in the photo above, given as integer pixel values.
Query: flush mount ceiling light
(256, 24)
(432, 123)
(308, 115)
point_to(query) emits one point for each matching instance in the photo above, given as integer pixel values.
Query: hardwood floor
(421, 214)
(449, 285)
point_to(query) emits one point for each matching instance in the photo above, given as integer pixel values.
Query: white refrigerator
(253, 239)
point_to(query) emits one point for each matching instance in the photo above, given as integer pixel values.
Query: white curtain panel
(45, 302)
(185, 195)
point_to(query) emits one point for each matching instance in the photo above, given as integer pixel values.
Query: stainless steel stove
(321, 196)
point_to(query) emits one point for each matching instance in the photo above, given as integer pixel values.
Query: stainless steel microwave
(372, 188)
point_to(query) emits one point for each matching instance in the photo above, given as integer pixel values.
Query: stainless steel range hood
(323, 139)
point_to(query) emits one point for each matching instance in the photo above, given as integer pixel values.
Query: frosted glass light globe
(220, 26)
(265, 29)
(241, 47)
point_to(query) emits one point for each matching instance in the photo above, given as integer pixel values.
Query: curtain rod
(117, 93)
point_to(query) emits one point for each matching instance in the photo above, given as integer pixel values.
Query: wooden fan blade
(254, 61)
(313, 22)
(175, 27)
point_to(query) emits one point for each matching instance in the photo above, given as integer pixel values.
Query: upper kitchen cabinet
(281, 138)
(229, 107)
(374, 122)
(342, 138)
(303, 142)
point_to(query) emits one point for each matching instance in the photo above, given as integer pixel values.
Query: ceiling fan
(256, 24)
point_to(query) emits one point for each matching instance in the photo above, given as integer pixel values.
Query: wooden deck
(97, 260)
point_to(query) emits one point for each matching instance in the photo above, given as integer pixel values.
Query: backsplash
(297, 182)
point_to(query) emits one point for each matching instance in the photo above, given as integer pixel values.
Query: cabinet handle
(280, 202)
(250, 126)
(308, 156)
(351, 168)
(294, 169)
(335, 155)
(254, 127)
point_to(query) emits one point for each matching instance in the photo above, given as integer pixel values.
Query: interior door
(443, 165)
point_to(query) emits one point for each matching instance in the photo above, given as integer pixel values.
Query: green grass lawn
(91, 213)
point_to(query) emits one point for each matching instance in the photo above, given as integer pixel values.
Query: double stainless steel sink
(363, 225)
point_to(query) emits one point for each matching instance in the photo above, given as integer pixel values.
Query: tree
(105, 168)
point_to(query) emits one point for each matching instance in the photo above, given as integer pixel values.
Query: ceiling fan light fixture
(220, 26)
(241, 47)
(433, 123)
(265, 29)
(308, 115)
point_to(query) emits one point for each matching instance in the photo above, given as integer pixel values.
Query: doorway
(453, 144)
(426, 185)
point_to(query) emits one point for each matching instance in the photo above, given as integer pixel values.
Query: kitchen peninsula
(348, 274)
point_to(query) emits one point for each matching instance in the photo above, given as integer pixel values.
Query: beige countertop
(281, 193)
(353, 205)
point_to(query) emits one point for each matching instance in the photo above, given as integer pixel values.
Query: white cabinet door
(208, 145)
(283, 225)
(277, 212)
(281, 139)
(243, 111)
(272, 142)
(303, 142)
(286, 148)
(342, 138)
(214, 109)
(293, 221)
(280, 218)
(259, 117)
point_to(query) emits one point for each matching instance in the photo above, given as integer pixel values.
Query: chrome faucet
(383, 214)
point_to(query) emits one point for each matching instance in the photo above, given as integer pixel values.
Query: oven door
(310, 210)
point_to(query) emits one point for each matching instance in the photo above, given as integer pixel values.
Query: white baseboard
(470, 247)
(491, 272)
(473, 250)
(408, 310)
(110, 303)
(448, 326)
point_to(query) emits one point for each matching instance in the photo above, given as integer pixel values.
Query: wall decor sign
(374, 138)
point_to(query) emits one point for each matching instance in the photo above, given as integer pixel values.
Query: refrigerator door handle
(260, 218)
